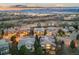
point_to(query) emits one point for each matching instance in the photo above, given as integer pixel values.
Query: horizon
(41, 4)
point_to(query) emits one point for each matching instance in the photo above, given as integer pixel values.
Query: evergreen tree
(56, 42)
(2, 33)
(13, 46)
(45, 32)
(72, 44)
(23, 50)
(37, 46)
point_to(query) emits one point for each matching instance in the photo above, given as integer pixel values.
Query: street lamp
(48, 46)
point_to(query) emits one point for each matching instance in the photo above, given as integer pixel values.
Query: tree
(13, 46)
(75, 26)
(72, 44)
(63, 48)
(37, 46)
(32, 31)
(62, 44)
(61, 32)
(45, 32)
(13, 38)
(56, 42)
(2, 33)
(77, 37)
(23, 50)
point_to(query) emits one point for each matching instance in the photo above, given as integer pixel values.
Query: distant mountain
(18, 6)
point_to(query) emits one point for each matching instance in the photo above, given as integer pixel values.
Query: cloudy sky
(43, 4)
(55, 4)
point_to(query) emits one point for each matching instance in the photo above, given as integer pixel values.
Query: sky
(43, 4)
(55, 4)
